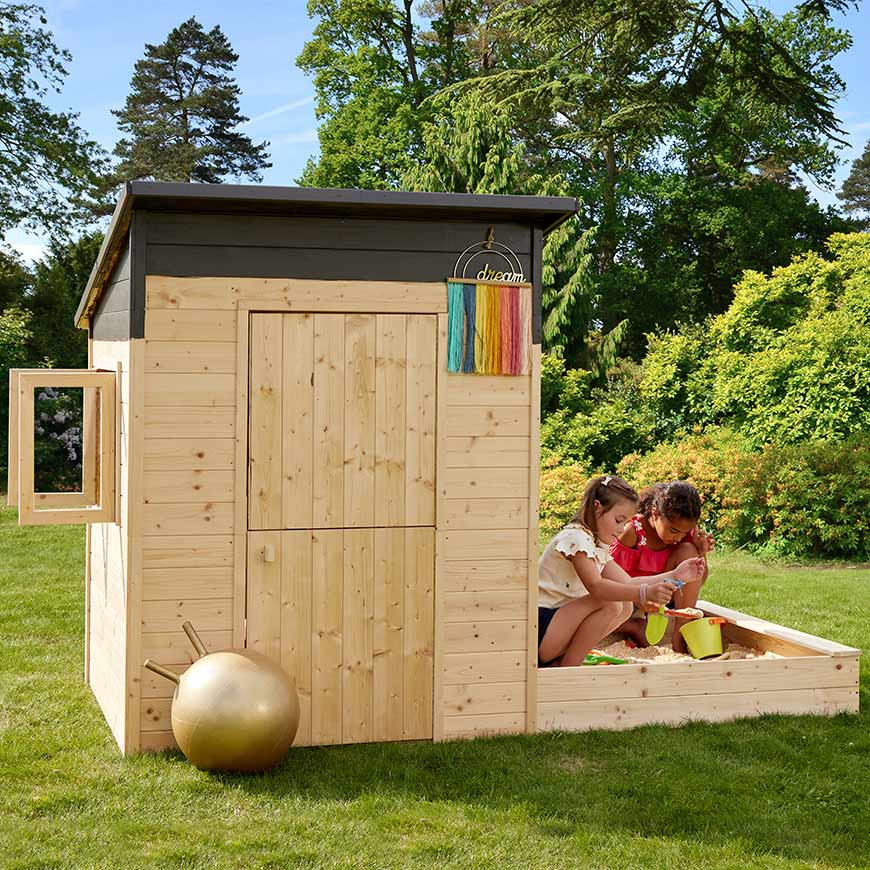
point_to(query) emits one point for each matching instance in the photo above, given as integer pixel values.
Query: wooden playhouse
(277, 451)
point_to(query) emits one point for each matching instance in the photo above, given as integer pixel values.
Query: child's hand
(660, 593)
(703, 542)
(690, 570)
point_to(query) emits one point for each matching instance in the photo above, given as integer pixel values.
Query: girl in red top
(662, 534)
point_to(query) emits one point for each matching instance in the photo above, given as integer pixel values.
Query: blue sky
(107, 38)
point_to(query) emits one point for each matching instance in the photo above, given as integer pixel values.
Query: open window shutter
(95, 502)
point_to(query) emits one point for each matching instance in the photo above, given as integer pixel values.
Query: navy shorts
(545, 617)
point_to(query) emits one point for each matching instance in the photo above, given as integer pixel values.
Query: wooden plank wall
(108, 560)
(486, 475)
(348, 613)
(188, 493)
(579, 699)
(190, 543)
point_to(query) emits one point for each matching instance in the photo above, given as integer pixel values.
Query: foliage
(59, 279)
(48, 166)
(37, 324)
(800, 500)
(588, 425)
(182, 113)
(15, 335)
(712, 461)
(561, 490)
(468, 148)
(15, 278)
(680, 127)
(789, 361)
(374, 64)
(57, 448)
(617, 90)
(855, 192)
(692, 239)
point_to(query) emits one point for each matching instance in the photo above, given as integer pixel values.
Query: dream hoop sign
(489, 316)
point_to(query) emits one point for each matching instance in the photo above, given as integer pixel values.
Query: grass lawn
(769, 793)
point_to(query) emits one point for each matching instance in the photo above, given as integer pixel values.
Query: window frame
(96, 502)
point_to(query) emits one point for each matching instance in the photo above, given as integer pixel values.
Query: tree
(181, 115)
(48, 166)
(374, 65)
(855, 192)
(59, 279)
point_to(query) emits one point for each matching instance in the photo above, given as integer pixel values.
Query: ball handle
(164, 672)
(198, 645)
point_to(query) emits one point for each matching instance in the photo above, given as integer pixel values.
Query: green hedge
(800, 500)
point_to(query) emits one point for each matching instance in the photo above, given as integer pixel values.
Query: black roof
(544, 212)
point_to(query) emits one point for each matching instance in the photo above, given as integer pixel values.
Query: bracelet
(642, 593)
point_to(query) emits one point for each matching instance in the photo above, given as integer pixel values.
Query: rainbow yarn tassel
(489, 328)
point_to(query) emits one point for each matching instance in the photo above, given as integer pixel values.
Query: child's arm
(615, 588)
(687, 571)
(703, 541)
(628, 538)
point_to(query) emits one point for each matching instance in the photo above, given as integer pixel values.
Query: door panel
(328, 460)
(349, 613)
(342, 420)
(359, 420)
(264, 440)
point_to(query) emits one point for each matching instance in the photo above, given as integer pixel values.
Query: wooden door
(349, 614)
(342, 421)
(341, 547)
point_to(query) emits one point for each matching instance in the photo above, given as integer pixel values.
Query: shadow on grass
(787, 786)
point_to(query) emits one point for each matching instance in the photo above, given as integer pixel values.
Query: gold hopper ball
(233, 710)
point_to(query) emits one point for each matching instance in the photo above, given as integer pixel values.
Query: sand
(664, 654)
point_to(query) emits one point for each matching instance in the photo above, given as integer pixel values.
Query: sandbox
(808, 675)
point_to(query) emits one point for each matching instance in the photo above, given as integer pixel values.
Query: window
(62, 431)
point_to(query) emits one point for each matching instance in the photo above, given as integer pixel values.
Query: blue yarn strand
(455, 326)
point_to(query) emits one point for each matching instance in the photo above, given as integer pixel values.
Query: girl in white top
(583, 594)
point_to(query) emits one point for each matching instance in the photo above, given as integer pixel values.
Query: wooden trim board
(779, 632)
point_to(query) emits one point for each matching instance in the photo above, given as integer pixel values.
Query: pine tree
(182, 113)
(855, 192)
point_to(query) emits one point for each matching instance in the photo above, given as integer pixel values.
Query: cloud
(296, 138)
(279, 110)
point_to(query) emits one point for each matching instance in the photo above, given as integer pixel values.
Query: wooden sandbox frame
(814, 676)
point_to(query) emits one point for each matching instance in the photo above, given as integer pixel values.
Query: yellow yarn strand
(493, 330)
(480, 313)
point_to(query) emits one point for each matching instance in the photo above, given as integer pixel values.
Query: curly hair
(677, 499)
(606, 490)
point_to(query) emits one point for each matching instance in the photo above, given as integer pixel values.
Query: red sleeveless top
(640, 560)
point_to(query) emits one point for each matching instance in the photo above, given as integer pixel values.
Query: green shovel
(656, 625)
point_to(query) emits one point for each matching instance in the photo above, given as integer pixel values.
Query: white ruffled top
(558, 582)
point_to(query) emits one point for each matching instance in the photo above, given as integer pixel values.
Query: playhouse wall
(189, 540)
(488, 533)
(487, 471)
(108, 562)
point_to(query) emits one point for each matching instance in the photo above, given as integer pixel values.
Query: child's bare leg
(688, 595)
(563, 626)
(598, 624)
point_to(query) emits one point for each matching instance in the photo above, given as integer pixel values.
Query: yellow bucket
(704, 636)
